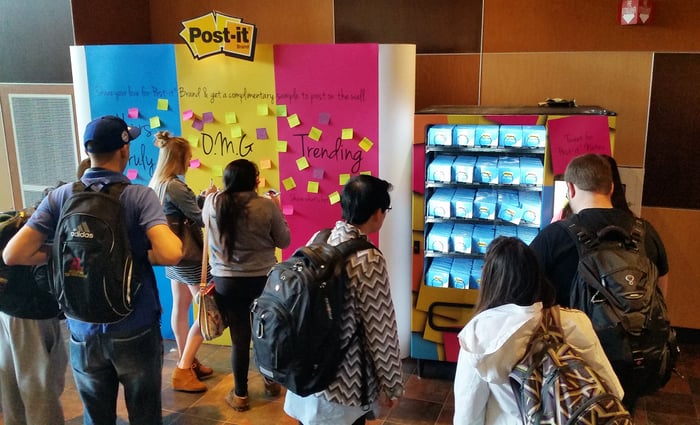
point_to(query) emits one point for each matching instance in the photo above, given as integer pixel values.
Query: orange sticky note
(281, 146)
(261, 181)
(293, 121)
(366, 144)
(315, 133)
(334, 198)
(312, 187)
(154, 122)
(343, 178)
(289, 183)
(302, 163)
(265, 164)
(346, 134)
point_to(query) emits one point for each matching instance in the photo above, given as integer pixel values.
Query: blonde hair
(172, 158)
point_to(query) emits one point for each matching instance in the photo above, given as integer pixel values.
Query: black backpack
(552, 384)
(295, 321)
(92, 264)
(616, 286)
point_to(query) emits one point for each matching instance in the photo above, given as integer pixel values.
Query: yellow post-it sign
(343, 178)
(293, 121)
(231, 118)
(346, 134)
(262, 109)
(236, 131)
(334, 198)
(281, 146)
(154, 122)
(217, 171)
(312, 187)
(194, 141)
(366, 173)
(281, 110)
(289, 183)
(302, 163)
(162, 105)
(315, 134)
(265, 164)
(366, 144)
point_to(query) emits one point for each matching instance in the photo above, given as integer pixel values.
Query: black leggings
(234, 296)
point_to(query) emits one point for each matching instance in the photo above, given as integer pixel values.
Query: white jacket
(493, 342)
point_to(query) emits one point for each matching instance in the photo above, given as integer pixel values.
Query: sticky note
(236, 131)
(261, 133)
(262, 109)
(346, 134)
(334, 198)
(197, 124)
(318, 173)
(162, 105)
(265, 164)
(343, 178)
(132, 174)
(293, 121)
(302, 163)
(315, 133)
(195, 163)
(312, 187)
(133, 112)
(287, 209)
(231, 118)
(194, 141)
(281, 146)
(217, 171)
(261, 181)
(366, 173)
(281, 110)
(324, 118)
(289, 183)
(154, 122)
(187, 115)
(208, 117)
(366, 144)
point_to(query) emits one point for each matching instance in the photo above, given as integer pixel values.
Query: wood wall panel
(447, 80)
(682, 247)
(617, 81)
(277, 21)
(111, 22)
(565, 25)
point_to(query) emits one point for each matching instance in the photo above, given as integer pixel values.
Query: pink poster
(576, 135)
(328, 115)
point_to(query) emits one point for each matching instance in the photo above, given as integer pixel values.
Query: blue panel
(422, 349)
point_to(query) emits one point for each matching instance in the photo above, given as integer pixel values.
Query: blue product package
(531, 204)
(531, 171)
(460, 273)
(439, 237)
(486, 136)
(509, 170)
(475, 275)
(505, 230)
(462, 238)
(486, 170)
(463, 135)
(510, 136)
(463, 203)
(440, 135)
(440, 203)
(527, 234)
(485, 204)
(438, 273)
(534, 136)
(482, 237)
(463, 168)
(440, 169)
(508, 207)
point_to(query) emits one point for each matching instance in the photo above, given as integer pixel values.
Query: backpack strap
(584, 239)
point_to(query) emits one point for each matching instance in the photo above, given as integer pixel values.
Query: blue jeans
(101, 362)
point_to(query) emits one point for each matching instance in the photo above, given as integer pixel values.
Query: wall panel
(447, 80)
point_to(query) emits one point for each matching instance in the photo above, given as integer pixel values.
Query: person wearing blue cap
(130, 351)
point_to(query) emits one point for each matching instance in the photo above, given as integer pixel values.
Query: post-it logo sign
(215, 33)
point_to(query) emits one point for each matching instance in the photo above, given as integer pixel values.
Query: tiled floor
(427, 401)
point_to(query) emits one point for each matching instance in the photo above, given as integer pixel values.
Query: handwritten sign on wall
(575, 135)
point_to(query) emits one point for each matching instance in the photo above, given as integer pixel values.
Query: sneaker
(201, 370)
(272, 388)
(239, 404)
(186, 380)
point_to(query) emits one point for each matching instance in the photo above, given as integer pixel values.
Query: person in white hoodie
(513, 292)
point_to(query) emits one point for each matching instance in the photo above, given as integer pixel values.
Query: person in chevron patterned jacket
(371, 369)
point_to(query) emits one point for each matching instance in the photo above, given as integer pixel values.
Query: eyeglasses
(387, 209)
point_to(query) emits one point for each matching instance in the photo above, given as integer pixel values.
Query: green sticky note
(366, 173)
(262, 109)
(346, 134)
(302, 163)
(281, 146)
(231, 118)
(162, 105)
(312, 187)
(194, 141)
(154, 122)
(289, 183)
(293, 121)
(315, 133)
(236, 131)
(217, 170)
(334, 198)
(343, 178)
(281, 110)
(366, 144)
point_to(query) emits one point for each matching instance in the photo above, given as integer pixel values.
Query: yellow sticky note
(236, 131)
(154, 122)
(281, 110)
(265, 164)
(346, 134)
(315, 133)
(334, 198)
(366, 173)
(293, 121)
(281, 146)
(343, 178)
(162, 105)
(366, 144)
(262, 109)
(217, 171)
(302, 163)
(194, 141)
(261, 181)
(312, 187)
(289, 183)
(231, 118)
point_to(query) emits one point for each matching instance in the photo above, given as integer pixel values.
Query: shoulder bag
(212, 322)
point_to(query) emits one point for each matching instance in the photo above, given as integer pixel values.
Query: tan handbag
(212, 322)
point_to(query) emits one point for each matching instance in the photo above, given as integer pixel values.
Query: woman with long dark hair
(244, 230)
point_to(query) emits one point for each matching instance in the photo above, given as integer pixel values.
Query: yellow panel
(428, 295)
(419, 320)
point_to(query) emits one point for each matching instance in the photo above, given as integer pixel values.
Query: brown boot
(186, 380)
(239, 404)
(201, 370)
(272, 388)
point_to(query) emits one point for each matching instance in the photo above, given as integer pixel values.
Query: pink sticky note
(133, 112)
(197, 124)
(208, 117)
(287, 209)
(324, 118)
(261, 133)
(576, 135)
(187, 115)
(132, 174)
(195, 163)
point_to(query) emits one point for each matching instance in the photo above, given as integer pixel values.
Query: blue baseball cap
(107, 134)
